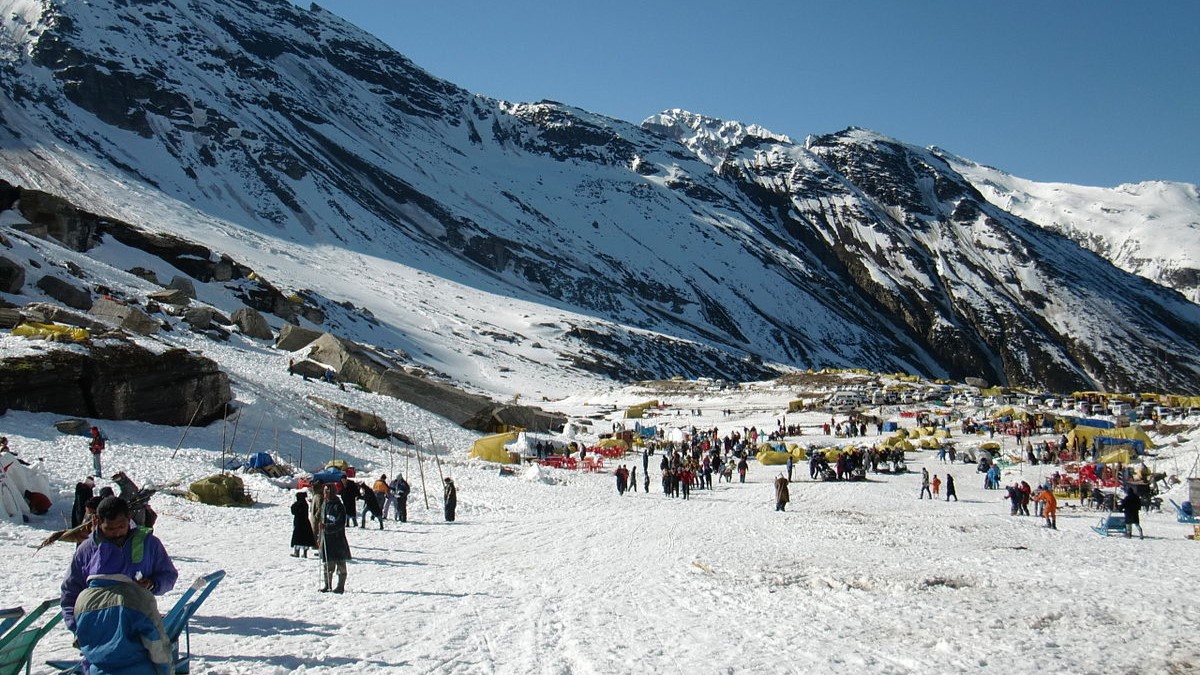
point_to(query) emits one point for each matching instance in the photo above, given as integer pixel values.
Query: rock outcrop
(118, 381)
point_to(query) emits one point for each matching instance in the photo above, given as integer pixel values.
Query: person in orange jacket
(1049, 507)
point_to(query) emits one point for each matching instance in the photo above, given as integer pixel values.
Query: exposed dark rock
(72, 426)
(12, 276)
(252, 324)
(292, 337)
(116, 381)
(146, 274)
(9, 317)
(355, 420)
(65, 292)
(183, 285)
(169, 296)
(375, 372)
(44, 312)
(126, 316)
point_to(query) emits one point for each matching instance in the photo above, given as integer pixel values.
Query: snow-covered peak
(710, 138)
(1151, 228)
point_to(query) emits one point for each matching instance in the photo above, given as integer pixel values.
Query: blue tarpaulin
(1139, 447)
(1098, 424)
(890, 426)
(330, 475)
(259, 460)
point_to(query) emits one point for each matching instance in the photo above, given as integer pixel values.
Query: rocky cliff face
(689, 246)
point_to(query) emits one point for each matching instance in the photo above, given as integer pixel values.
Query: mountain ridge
(281, 135)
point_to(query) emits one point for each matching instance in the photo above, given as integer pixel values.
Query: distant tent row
(637, 411)
(1085, 435)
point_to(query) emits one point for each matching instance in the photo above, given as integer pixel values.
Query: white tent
(15, 479)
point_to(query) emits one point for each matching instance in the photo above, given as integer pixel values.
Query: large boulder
(292, 337)
(12, 276)
(65, 292)
(126, 316)
(9, 317)
(353, 419)
(120, 381)
(170, 296)
(376, 372)
(44, 312)
(183, 285)
(250, 322)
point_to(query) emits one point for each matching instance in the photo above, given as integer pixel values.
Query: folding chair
(1181, 515)
(177, 620)
(16, 646)
(8, 617)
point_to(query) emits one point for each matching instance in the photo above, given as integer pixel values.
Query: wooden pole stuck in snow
(421, 469)
(185, 429)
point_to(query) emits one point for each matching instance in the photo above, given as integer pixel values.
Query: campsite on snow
(549, 569)
(683, 396)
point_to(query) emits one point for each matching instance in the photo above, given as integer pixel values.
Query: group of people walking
(321, 516)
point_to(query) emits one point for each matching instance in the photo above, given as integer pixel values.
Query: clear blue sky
(1094, 92)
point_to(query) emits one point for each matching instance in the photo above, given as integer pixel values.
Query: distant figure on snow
(450, 499)
(782, 497)
(302, 532)
(950, 488)
(96, 446)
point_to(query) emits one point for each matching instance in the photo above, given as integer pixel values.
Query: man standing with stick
(335, 550)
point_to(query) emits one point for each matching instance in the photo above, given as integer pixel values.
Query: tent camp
(491, 448)
(1086, 434)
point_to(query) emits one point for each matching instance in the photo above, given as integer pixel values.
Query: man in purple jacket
(115, 548)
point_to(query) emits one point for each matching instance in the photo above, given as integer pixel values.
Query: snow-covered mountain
(328, 164)
(1150, 229)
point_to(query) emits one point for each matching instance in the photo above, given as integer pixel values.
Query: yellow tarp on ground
(50, 330)
(612, 443)
(1086, 434)
(491, 448)
(990, 446)
(339, 464)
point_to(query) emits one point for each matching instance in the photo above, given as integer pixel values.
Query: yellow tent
(1086, 434)
(612, 443)
(491, 448)
(767, 457)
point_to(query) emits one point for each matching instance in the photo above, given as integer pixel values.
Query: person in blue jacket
(119, 630)
(114, 547)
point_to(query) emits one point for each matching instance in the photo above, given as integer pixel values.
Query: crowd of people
(120, 565)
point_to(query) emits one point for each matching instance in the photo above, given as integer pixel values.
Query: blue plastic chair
(1181, 515)
(17, 644)
(178, 620)
(175, 623)
(8, 617)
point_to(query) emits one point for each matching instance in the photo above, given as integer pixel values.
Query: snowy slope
(307, 150)
(552, 571)
(1149, 229)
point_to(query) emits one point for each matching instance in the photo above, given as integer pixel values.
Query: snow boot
(341, 587)
(328, 579)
